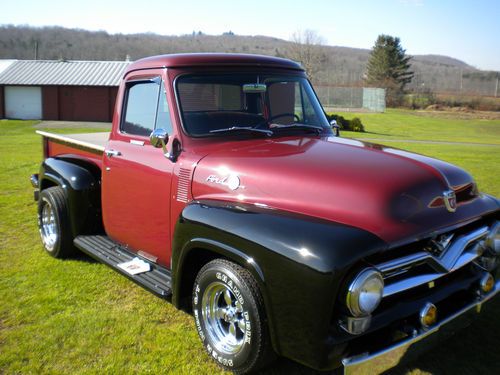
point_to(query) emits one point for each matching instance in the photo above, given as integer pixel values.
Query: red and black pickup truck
(223, 189)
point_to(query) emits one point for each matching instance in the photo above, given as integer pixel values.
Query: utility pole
(36, 49)
(461, 79)
(496, 88)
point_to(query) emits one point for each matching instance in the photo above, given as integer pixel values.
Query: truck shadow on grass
(82, 257)
(471, 351)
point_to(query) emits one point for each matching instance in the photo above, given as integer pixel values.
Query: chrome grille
(453, 253)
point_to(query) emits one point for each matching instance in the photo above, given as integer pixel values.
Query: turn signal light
(428, 315)
(487, 283)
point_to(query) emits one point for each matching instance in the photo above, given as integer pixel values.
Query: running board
(158, 280)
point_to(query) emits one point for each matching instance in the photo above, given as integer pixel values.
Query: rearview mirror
(159, 138)
(254, 88)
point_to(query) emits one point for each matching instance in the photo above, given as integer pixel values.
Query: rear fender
(81, 183)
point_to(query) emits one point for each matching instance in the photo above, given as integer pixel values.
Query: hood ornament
(450, 200)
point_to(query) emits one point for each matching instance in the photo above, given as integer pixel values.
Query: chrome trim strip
(137, 142)
(450, 257)
(412, 282)
(395, 264)
(409, 283)
(382, 360)
(68, 139)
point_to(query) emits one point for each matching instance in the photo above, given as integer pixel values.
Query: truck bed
(89, 141)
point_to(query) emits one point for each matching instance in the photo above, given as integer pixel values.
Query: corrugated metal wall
(50, 102)
(85, 103)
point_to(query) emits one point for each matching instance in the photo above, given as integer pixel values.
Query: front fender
(81, 182)
(298, 261)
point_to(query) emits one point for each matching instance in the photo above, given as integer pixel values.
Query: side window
(140, 111)
(298, 109)
(309, 110)
(163, 116)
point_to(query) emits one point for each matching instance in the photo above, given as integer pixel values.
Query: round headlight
(493, 239)
(488, 261)
(365, 292)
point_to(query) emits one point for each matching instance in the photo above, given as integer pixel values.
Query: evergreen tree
(389, 67)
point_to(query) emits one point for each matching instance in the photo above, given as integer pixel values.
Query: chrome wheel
(48, 226)
(229, 316)
(223, 318)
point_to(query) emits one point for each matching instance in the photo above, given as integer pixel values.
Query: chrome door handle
(111, 153)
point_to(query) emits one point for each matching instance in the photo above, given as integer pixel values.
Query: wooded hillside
(341, 66)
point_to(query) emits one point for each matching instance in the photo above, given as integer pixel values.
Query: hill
(341, 66)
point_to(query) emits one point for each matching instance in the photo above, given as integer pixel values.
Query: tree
(306, 47)
(389, 67)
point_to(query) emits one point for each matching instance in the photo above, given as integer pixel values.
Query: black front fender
(81, 182)
(299, 263)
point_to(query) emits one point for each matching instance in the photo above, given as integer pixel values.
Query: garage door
(23, 102)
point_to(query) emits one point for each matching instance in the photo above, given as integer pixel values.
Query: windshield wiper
(242, 128)
(316, 129)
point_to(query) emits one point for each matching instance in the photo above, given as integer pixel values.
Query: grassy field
(473, 144)
(78, 316)
(427, 126)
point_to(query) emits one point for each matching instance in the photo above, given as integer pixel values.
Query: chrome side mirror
(335, 128)
(159, 138)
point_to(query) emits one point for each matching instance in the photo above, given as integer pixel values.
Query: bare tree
(307, 48)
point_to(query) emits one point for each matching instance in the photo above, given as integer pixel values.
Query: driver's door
(137, 177)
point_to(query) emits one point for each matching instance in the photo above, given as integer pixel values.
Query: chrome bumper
(378, 362)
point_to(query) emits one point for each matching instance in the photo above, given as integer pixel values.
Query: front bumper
(380, 361)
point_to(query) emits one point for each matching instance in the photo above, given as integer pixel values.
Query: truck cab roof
(213, 60)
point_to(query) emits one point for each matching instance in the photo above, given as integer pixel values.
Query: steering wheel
(283, 115)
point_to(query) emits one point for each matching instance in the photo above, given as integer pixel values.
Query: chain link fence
(351, 98)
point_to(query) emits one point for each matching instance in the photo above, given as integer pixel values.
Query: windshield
(214, 105)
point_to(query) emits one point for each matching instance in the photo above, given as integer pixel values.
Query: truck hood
(391, 193)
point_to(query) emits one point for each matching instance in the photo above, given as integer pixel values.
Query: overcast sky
(467, 30)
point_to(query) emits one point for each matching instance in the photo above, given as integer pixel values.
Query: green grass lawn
(78, 316)
(420, 125)
(481, 158)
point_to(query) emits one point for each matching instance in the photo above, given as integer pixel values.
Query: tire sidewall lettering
(232, 283)
(232, 286)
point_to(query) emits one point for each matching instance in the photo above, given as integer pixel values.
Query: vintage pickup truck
(223, 189)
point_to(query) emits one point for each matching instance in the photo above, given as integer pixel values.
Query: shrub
(354, 125)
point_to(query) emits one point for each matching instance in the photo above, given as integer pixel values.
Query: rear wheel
(230, 318)
(53, 223)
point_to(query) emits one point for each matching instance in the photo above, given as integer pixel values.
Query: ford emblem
(450, 200)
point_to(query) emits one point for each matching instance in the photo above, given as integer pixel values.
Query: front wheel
(230, 318)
